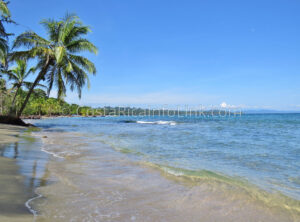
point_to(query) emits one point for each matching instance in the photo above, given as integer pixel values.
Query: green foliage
(5, 17)
(5, 97)
(4, 11)
(17, 76)
(39, 103)
(58, 63)
(58, 60)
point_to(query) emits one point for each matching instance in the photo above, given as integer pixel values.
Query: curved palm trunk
(37, 80)
(14, 100)
(15, 96)
(11, 109)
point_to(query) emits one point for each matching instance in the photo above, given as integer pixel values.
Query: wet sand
(9, 133)
(22, 170)
(12, 193)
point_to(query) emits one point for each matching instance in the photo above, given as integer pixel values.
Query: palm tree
(5, 17)
(18, 75)
(58, 59)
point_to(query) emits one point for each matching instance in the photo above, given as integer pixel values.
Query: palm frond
(11, 75)
(29, 54)
(29, 84)
(3, 50)
(31, 70)
(80, 45)
(30, 39)
(2, 31)
(50, 79)
(84, 63)
(51, 27)
(76, 32)
(4, 11)
(71, 17)
(77, 78)
(66, 29)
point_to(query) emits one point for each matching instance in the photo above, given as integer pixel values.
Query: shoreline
(171, 190)
(140, 182)
(21, 167)
(13, 192)
(270, 199)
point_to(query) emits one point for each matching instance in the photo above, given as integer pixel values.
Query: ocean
(249, 160)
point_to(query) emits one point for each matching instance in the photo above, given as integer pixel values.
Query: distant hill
(266, 111)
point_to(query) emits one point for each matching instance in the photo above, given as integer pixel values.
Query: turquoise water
(263, 149)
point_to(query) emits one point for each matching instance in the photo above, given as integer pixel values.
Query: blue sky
(244, 53)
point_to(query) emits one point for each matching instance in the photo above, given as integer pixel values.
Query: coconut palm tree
(57, 55)
(5, 17)
(18, 74)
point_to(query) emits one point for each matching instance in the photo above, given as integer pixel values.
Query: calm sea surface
(262, 149)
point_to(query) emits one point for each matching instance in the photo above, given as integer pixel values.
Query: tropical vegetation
(57, 63)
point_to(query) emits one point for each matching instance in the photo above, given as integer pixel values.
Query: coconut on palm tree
(59, 62)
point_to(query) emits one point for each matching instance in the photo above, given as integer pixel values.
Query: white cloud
(225, 105)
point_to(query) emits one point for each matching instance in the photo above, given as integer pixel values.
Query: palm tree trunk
(29, 94)
(15, 96)
(14, 100)
(37, 80)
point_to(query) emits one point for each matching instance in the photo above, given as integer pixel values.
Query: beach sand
(9, 133)
(13, 193)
